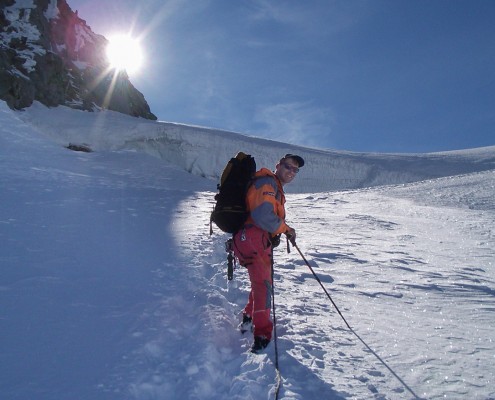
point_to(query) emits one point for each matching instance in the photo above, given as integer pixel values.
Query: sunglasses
(290, 168)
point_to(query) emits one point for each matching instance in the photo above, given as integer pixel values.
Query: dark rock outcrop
(49, 54)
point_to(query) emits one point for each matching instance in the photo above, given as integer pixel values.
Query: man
(253, 244)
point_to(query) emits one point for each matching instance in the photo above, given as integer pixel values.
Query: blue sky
(358, 75)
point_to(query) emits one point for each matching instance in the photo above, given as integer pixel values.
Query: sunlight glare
(124, 53)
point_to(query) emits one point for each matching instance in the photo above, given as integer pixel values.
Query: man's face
(286, 170)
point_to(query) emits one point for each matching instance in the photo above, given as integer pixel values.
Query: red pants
(253, 249)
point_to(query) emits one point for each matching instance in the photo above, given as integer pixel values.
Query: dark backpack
(230, 210)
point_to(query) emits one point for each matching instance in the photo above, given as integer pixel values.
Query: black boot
(246, 324)
(260, 342)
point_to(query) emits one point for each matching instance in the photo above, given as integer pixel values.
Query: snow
(112, 288)
(204, 151)
(20, 30)
(51, 11)
(23, 31)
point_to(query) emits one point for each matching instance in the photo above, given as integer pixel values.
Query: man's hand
(291, 235)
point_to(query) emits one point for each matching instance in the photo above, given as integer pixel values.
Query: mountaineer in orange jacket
(253, 244)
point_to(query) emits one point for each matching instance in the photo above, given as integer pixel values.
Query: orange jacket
(265, 201)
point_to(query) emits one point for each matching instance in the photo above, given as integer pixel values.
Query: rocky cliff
(49, 54)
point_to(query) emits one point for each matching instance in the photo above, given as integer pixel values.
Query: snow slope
(204, 151)
(112, 288)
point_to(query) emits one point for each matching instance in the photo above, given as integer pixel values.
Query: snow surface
(112, 288)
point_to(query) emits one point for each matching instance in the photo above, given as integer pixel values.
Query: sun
(124, 53)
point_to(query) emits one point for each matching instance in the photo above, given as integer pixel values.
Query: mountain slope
(49, 54)
(111, 287)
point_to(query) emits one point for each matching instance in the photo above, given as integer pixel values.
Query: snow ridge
(204, 152)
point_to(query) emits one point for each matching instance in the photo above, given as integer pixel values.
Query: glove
(291, 235)
(275, 240)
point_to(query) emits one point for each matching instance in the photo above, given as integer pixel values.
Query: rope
(278, 382)
(352, 330)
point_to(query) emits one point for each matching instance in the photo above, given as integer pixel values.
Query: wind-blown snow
(112, 288)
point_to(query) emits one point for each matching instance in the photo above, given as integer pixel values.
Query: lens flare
(124, 53)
